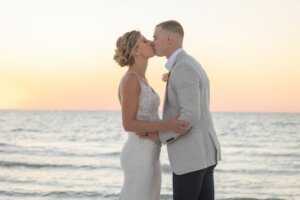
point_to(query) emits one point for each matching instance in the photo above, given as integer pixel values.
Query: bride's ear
(136, 51)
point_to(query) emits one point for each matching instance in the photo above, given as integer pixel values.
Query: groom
(192, 156)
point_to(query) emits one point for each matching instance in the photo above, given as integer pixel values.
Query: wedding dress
(140, 157)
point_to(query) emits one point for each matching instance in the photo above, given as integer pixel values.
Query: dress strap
(139, 77)
(133, 72)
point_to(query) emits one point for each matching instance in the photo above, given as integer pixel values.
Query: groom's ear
(170, 38)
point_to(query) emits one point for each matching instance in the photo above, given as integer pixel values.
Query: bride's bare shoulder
(130, 81)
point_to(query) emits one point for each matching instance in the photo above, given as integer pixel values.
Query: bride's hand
(178, 126)
(150, 136)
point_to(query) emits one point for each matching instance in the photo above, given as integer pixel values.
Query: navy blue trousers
(197, 185)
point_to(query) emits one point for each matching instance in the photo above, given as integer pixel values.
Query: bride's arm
(130, 89)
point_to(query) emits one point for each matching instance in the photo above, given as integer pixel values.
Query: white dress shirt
(170, 63)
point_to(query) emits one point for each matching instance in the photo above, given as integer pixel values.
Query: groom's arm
(187, 88)
(185, 82)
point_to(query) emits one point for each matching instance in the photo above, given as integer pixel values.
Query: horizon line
(119, 110)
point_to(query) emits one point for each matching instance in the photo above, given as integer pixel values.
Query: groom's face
(160, 41)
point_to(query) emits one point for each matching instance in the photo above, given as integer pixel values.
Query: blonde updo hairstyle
(124, 48)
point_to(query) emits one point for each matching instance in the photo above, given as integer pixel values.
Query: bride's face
(144, 48)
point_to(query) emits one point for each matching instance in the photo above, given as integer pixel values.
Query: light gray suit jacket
(187, 93)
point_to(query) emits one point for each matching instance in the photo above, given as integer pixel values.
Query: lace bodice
(148, 104)
(148, 101)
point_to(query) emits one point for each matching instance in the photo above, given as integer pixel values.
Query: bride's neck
(140, 68)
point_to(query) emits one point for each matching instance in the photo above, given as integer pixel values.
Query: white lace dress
(140, 157)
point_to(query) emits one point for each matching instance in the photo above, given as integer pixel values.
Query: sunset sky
(57, 54)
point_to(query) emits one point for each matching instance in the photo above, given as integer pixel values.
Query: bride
(139, 102)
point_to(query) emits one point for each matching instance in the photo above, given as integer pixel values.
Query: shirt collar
(171, 61)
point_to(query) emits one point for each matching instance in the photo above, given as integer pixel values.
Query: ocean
(71, 155)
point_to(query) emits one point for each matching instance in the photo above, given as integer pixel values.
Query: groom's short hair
(172, 26)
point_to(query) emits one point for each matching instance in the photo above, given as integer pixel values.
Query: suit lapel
(166, 97)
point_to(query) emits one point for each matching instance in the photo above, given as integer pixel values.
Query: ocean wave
(12, 164)
(294, 155)
(3, 144)
(249, 198)
(55, 194)
(7, 145)
(7, 179)
(77, 154)
(284, 124)
(257, 171)
(42, 151)
(106, 154)
(166, 169)
(77, 194)
(25, 130)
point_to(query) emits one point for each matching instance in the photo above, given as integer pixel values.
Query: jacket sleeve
(187, 88)
(185, 82)
(167, 137)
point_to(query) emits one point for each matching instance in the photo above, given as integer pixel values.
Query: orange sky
(58, 54)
